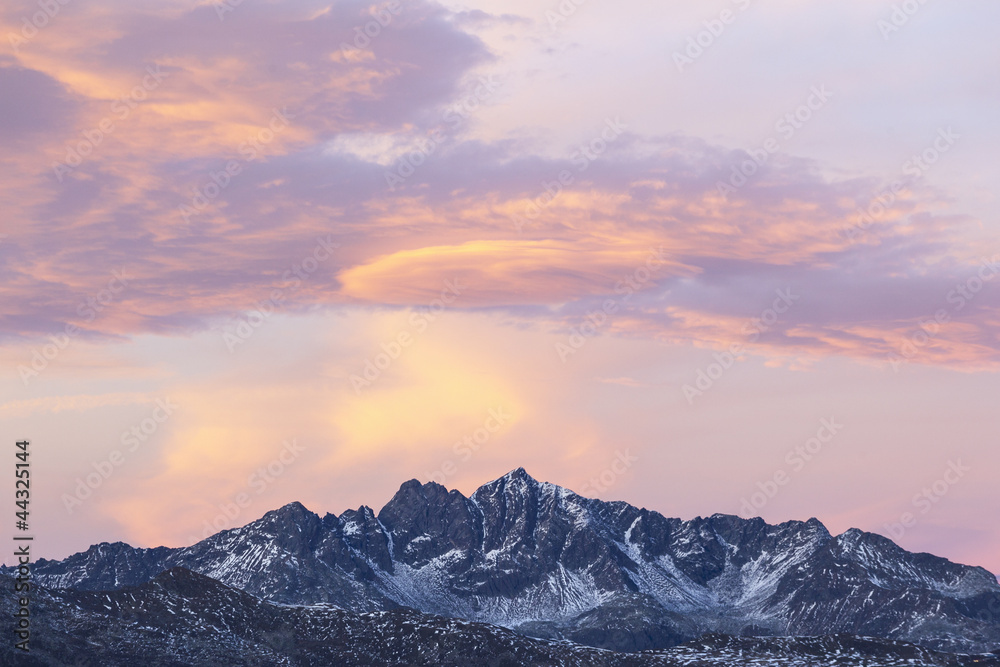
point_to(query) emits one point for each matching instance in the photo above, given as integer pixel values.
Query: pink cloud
(133, 201)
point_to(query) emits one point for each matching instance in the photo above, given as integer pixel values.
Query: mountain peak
(519, 474)
(517, 481)
(294, 513)
(294, 508)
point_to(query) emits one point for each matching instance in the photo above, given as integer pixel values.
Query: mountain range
(522, 559)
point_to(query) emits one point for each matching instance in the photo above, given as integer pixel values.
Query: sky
(737, 256)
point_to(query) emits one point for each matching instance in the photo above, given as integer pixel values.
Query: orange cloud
(498, 272)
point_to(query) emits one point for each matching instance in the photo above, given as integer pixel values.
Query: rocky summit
(533, 560)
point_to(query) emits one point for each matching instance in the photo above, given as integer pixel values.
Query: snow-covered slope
(183, 618)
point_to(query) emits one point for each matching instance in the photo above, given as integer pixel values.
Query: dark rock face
(628, 623)
(104, 566)
(540, 559)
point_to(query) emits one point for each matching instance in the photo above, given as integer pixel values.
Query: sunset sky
(735, 256)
